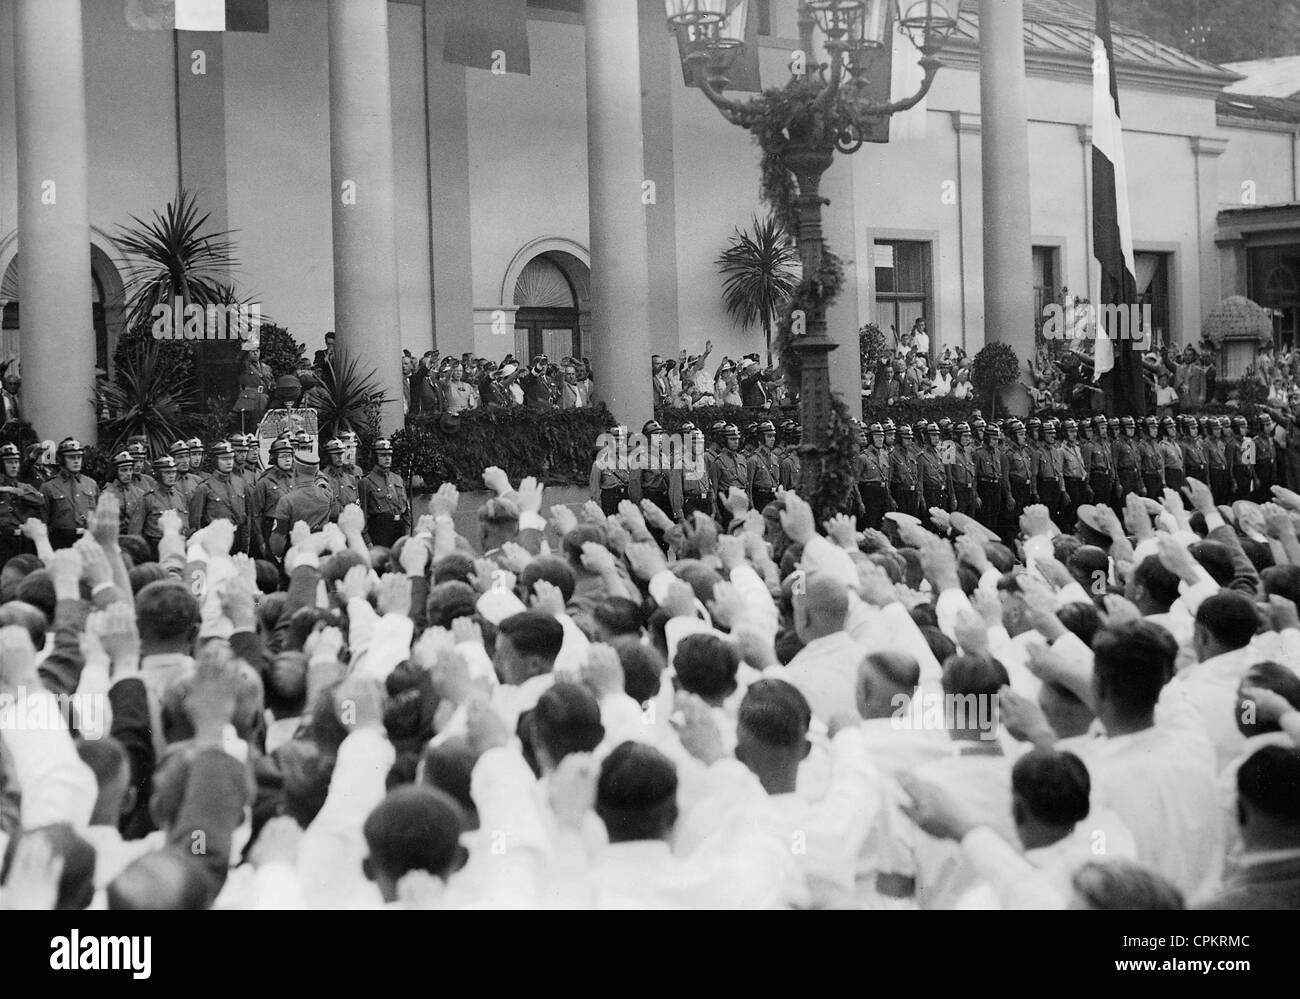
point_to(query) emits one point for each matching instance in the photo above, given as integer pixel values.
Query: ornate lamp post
(835, 114)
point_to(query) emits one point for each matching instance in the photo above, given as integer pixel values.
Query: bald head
(822, 608)
(882, 678)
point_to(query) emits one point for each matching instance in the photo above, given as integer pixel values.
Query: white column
(1206, 150)
(58, 336)
(620, 344)
(1004, 147)
(361, 169)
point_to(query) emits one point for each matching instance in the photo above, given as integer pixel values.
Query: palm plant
(761, 271)
(146, 396)
(170, 256)
(346, 398)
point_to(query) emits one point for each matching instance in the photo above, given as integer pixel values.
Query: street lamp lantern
(698, 13)
(928, 23)
(824, 108)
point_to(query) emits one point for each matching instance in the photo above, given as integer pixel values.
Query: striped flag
(487, 34)
(199, 15)
(1118, 363)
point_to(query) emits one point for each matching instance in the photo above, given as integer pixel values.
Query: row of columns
(53, 217)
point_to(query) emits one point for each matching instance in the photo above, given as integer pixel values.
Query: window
(1273, 280)
(1153, 290)
(903, 286)
(1046, 281)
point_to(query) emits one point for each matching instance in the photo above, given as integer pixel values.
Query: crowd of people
(1089, 701)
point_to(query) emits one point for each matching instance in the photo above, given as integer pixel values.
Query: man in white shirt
(826, 669)
(1203, 695)
(1159, 780)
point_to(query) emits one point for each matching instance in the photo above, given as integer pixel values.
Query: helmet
(333, 446)
(687, 428)
(1150, 422)
(945, 425)
(349, 437)
(651, 427)
(932, 429)
(1099, 422)
(164, 463)
(718, 428)
(222, 449)
(281, 445)
(961, 429)
(1015, 426)
(239, 442)
(1168, 424)
(977, 424)
(1069, 425)
(195, 444)
(875, 428)
(137, 450)
(792, 429)
(921, 428)
(382, 446)
(889, 425)
(993, 432)
(1049, 427)
(68, 446)
(764, 427)
(1127, 423)
(123, 458)
(1033, 423)
(8, 451)
(906, 431)
(1238, 422)
(730, 430)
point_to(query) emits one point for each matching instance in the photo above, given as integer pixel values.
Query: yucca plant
(171, 256)
(346, 397)
(147, 396)
(761, 270)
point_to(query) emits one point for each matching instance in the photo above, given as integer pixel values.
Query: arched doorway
(550, 299)
(107, 307)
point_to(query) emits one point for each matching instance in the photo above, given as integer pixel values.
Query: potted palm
(760, 268)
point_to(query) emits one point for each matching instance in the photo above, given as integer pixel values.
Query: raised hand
(971, 633)
(592, 513)
(727, 606)
(169, 521)
(971, 551)
(797, 519)
(106, 520)
(485, 728)
(1036, 521)
(572, 789)
(466, 629)
(444, 502)
(1287, 498)
(17, 661)
(299, 536)
(94, 563)
(936, 810)
(603, 671)
(414, 557)
(698, 729)
(352, 522)
(547, 598)
(530, 495)
(679, 601)
(355, 585)
(1023, 718)
(731, 551)
(1199, 495)
(563, 520)
(736, 501)
(218, 538)
(654, 516)
(496, 480)
(237, 602)
(645, 558)
(842, 531)
(633, 520)
(34, 529)
(394, 594)
(597, 558)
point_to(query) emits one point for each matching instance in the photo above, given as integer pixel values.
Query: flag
(743, 76)
(1118, 364)
(199, 15)
(487, 34)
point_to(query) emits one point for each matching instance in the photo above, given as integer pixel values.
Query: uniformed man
(69, 496)
(1151, 460)
(309, 499)
(728, 471)
(351, 443)
(992, 490)
(1128, 461)
(763, 468)
(1240, 456)
(383, 498)
(18, 501)
(1018, 460)
(166, 495)
(791, 465)
(222, 496)
(689, 486)
(1172, 452)
(905, 473)
(651, 482)
(961, 471)
(242, 444)
(936, 487)
(610, 472)
(130, 496)
(342, 482)
(40, 464)
(196, 460)
(874, 477)
(266, 496)
(139, 452)
(1192, 445)
(185, 481)
(1074, 473)
(1265, 459)
(1216, 462)
(1049, 470)
(1100, 457)
(977, 427)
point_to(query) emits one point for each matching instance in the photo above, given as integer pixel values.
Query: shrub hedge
(557, 446)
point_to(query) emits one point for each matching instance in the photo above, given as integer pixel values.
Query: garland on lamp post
(799, 127)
